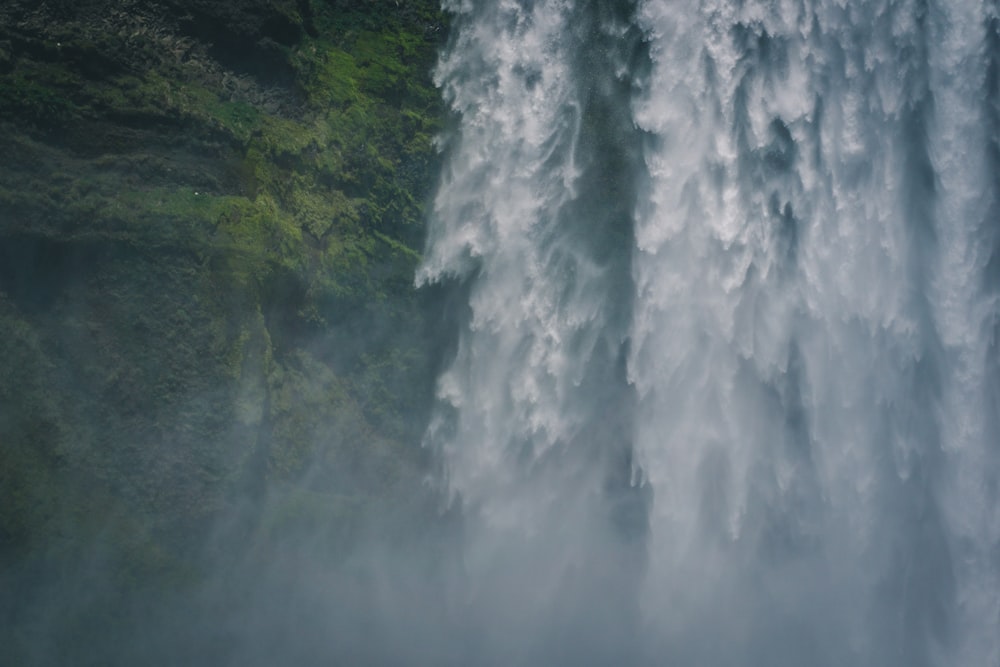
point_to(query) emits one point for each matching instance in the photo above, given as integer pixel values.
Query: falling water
(727, 389)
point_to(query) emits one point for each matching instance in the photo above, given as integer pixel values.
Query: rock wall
(210, 345)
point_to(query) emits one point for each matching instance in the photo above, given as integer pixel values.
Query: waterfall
(727, 386)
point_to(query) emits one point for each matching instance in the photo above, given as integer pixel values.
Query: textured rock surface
(209, 217)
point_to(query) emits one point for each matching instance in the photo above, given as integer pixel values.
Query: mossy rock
(210, 214)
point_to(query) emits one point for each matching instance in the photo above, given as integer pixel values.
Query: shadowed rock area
(213, 359)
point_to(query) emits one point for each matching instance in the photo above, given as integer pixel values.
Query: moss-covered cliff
(210, 213)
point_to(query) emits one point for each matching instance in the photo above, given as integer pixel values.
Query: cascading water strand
(535, 422)
(728, 390)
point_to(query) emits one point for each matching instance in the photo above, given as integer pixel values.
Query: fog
(712, 378)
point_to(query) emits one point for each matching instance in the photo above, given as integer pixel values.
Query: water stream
(728, 387)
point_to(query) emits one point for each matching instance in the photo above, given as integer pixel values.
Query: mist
(697, 366)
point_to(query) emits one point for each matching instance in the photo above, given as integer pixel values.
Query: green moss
(40, 92)
(238, 118)
(227, 257)
(328, 74)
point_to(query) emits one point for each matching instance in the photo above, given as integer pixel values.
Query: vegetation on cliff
(210, 213)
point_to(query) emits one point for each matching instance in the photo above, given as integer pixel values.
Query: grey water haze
(699, 366)
(727, 387)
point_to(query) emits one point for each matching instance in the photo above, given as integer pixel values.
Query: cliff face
(210, 213)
